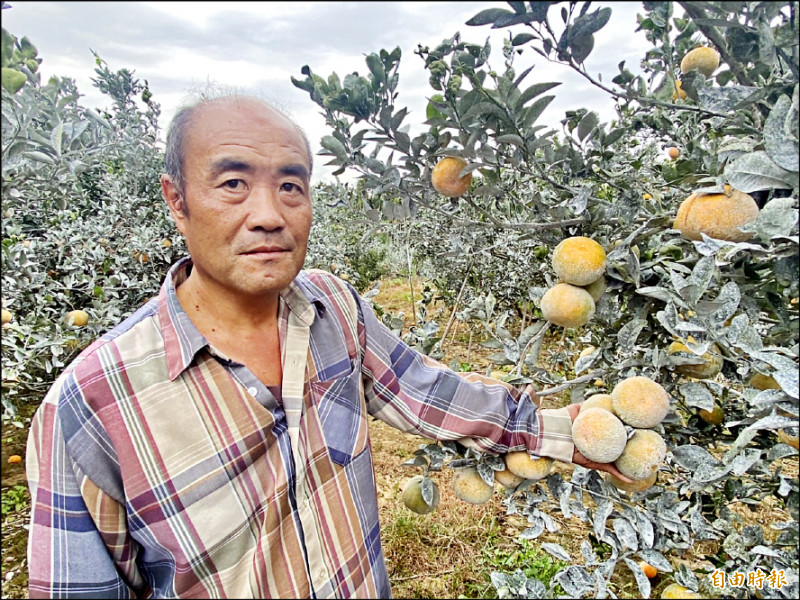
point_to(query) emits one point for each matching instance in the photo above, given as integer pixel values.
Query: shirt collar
(182, 340)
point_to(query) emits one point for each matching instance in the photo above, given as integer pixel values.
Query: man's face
(246, 172)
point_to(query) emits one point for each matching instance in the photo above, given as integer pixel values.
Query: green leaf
(56, 137)
(726, 99)
(376, 67)
(535, 110)
(522, 38)
(614, 136)
(766, 44)
(539, 10)
(535, 90)
(756, 171)
(334, 146)
(13, 80)
(780, 134)
(509, 20)
(511, 138)
(590, 23)
(431, 111)
(27, 49)
(581, 48)
(587, 125)
(39, 156)
(489, 15)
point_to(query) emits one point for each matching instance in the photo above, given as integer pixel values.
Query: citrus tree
(86, 238)
(691, 192)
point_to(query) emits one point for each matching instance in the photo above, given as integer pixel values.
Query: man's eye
(234, 184)
(291, 187)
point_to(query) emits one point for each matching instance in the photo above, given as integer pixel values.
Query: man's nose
(264, 210)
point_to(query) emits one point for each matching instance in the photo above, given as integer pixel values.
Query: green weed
(15, 499)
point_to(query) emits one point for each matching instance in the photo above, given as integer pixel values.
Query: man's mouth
(265, 251)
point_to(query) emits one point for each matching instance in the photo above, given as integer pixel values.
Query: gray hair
(182, 121)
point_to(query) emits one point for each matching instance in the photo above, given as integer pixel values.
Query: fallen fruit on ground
(14, 458)
(636, 486)
(412, 496)
(604, 401)
(579, 260)
(702, 59)
(648, 569)
(567, 305)
(718, 216)
(470, 487)
(643, 453)
(677, 591)
(715, 416)
(711, 366)
(526, 466)
(79, 318)
(7, 316)
(599, 435)
(445, 179)
(640, 402)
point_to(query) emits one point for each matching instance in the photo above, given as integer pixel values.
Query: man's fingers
(580, 459)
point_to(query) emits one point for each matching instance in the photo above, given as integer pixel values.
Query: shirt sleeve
(78, 543)
(415, 393)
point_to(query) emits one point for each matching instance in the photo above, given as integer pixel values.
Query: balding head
(184, 119)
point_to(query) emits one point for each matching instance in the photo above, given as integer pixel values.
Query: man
(215, 443)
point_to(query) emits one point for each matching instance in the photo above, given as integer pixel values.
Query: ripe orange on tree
(79, 318)
(702, 59)
(445, 177)
(718, 215)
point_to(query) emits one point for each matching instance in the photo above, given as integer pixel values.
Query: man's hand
(580, 459)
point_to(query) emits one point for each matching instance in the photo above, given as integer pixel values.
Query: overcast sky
(258, 46)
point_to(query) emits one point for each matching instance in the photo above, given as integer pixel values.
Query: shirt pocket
(340, 407)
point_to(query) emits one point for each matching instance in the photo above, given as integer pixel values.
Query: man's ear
(175, 202)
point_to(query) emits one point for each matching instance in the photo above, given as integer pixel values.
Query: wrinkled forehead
(245, 120)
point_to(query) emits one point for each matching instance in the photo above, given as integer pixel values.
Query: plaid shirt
(158, 467)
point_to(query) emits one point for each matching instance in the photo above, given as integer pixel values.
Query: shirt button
(252, 391)
(322, 573)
